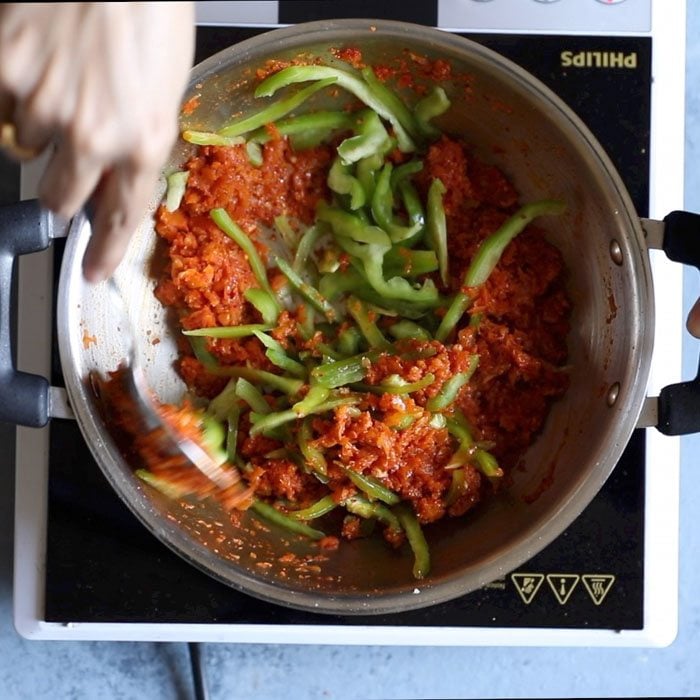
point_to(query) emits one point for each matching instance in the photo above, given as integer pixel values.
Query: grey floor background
(120, 671)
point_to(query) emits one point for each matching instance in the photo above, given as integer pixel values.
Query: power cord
(199, 676)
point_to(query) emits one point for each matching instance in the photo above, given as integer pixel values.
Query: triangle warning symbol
(562, 585)
(598, 586)
(527, 585)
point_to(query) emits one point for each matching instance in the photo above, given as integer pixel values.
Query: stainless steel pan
(547, 152)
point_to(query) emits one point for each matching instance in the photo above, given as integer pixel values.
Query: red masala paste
(520, 339)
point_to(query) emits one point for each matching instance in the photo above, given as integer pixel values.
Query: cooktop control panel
(571, 16)
(539, 16)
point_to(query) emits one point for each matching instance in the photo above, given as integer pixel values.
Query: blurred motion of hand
(100, 84)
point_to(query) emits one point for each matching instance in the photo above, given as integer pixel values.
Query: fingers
(69, 179)
(120, 206)
(693, 322)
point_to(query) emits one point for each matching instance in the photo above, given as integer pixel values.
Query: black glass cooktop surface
(103, 566)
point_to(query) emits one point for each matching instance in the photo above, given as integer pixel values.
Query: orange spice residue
(88, 340)
(191, 105)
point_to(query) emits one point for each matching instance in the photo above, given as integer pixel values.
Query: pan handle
(679, 404)
(24, 228)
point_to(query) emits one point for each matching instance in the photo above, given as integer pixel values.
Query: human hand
(101, 85)
(693, 321)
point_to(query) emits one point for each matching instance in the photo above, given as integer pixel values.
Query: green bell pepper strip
(382, 208)
(264, 303)
(321, 123)
(313, 456)
(327, 351)
(469, 451)
(222, 404)
(404, 422)
(401, 184)
(336, 374)
(277, 355)
(392, 290)
(371, 509)
(209, 138)
(396, 385)
(286, 385)
(241, 331)
(414, 209)
(270, 513)
(315, 397)
(432, 105)
(341, 181)
(165, 486)
(404, 262)
(176, 185)
(254, 153)
(488, 464)
(366, 170)
(458, 426)
(252, 396)
(348, 226)
(307, 243)
(447, 395)
(349, 341)
(397, 288)
(221, 218)
(404, 171)
(283, 361)
(387, 96)
(286, 231)
(398, 262)
(346, 80)
(456, 486)
(488, 255)
(403, 387)
(213, 435)
(311, 294)
(371, 487)
(458, 429)
(370, 136)
(274, 420)
(199, 348)
(408, 329)
(459, 304)
(232, 432)
(315, 510)
(370, 244)
(492, 248)
(436, 226)
(416, 540)
(368, 327)
(276, 110)
(307, 324)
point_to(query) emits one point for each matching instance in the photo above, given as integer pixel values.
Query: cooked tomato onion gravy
(402, 426)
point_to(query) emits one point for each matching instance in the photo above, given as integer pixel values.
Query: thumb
(693, 322)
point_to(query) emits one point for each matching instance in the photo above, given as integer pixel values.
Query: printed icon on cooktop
(598, 586)
(527, 585)
(563, 585)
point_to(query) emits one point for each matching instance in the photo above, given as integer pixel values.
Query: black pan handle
(24, 228)
(679, 404)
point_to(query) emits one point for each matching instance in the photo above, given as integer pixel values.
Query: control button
(610, 2)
